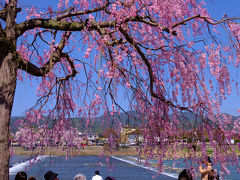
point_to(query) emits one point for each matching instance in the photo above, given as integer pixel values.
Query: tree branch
(56, 57)
(49, 24)
(185, 20)
(74, 71)
(61, 25)
(78, 13)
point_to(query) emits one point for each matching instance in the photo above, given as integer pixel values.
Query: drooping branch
(150, 72)
(134, 44)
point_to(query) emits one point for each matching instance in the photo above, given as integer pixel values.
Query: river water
(120, 167)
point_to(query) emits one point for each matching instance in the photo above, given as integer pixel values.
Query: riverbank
(98, 150)
(86, 150)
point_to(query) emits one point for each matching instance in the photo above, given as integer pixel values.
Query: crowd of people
(50, 175)
(205, 168)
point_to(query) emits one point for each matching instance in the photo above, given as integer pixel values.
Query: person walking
(97, 176)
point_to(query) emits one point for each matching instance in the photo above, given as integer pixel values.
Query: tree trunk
(8, 74)
(7, 91)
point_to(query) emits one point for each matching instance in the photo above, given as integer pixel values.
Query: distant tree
(163, 56)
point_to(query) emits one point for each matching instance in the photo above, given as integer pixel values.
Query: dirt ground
(98, 150)
(86, 150)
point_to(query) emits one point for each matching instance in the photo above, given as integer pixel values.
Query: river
(120, 167)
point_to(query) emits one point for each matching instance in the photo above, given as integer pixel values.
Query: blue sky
(25, 96)
(232, 8)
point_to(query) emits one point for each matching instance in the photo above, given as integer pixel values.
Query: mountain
(102, 122)
(13, 123)
(192, 121)
(99, 124)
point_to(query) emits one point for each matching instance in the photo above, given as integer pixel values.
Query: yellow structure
(126, 131)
